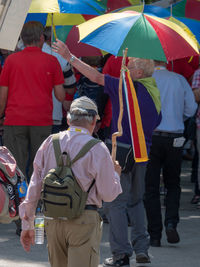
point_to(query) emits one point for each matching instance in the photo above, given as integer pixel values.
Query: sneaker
(117, 261)
(195, 199)
(155, 242)
(172, 234)
(18, 227)
(198, 205)
(142, 258)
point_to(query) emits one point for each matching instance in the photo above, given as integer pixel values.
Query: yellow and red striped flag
(135, 121)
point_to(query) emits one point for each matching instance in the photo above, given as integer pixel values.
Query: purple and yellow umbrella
(145, 36)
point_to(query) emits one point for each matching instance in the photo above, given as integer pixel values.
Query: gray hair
(80, 116)
(147, 65)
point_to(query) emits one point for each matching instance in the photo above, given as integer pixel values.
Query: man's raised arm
(88, 71)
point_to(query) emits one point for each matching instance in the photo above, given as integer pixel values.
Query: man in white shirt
(69, 85)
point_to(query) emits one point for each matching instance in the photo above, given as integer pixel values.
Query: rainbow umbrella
(65, 30)
(114, 4)
(62, 23)
(145, 36)
(147, 9)
(80, 49)
(63, 12)
(191, 26)
(58, 19)
(187, 8)
(70, 12)
(90, 7)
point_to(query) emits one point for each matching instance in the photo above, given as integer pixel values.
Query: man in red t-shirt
(26, 83)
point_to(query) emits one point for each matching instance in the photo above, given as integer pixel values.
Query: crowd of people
(46, 90)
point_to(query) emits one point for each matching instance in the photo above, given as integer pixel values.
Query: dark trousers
(23, 142)
(163, 155)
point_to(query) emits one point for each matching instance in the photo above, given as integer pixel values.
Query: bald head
(140, 67)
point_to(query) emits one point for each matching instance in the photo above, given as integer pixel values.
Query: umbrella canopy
(185, 23)
(145, 36)
(191, 26)
(147, 9)
(187, 8)
(58, 19)
(80, 49)
(63, 22)
(91, 7)
(114, 4)
(66, 31)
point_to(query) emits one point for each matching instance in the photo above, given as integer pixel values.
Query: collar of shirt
(32, 48)
(159, 68)
(78, 130)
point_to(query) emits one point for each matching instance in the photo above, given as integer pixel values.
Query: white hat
(86, 104)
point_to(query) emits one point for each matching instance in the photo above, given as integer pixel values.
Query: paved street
(184, 254)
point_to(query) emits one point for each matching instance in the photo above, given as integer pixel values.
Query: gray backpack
(61, 194)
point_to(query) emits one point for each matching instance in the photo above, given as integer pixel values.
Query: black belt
(90, 207)
(166, 134)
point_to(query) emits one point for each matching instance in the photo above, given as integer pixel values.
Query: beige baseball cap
(87, 105)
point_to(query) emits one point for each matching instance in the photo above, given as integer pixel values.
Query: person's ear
(140, 73)
(94, 121)
(42, 39)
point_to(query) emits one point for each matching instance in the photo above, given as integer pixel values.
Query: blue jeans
(130, 203)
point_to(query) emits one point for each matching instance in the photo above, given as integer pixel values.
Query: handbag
(124, 155)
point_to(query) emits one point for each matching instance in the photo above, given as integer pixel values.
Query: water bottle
(39, 227)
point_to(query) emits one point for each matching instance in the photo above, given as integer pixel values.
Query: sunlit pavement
(183, 254)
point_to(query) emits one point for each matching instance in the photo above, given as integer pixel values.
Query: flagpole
(121, 109)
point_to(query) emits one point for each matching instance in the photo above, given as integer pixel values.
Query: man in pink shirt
(81, 236)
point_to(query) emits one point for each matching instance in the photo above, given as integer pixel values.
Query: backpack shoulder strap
(85, 149)
(57, 150)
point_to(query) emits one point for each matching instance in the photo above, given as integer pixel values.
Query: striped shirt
(196, 84)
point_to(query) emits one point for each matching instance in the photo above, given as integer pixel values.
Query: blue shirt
(177, 100)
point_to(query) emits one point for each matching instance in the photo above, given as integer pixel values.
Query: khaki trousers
(74, 243)
(23, 142)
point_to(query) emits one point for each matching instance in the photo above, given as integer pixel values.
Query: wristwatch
(72, 58)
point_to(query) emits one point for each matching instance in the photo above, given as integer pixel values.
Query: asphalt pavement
(184, 254)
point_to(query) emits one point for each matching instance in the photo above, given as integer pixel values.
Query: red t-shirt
(30, 76)
(113, 66)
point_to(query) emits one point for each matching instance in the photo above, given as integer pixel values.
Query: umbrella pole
(121, 109)
(171, 10)
(51, 31)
